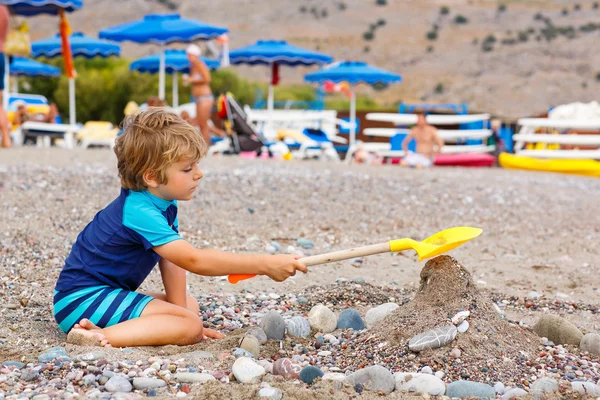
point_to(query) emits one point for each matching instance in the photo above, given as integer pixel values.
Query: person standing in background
(199, 79)
(4, 26)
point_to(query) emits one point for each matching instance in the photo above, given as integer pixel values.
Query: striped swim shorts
(102, 305)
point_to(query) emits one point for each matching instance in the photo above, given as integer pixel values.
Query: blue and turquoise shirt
(115, 249)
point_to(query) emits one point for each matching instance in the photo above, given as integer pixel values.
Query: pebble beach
(523, 319)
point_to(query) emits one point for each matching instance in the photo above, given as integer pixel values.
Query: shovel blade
(445, 240)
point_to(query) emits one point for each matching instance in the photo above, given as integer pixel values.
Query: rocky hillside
(509, 57)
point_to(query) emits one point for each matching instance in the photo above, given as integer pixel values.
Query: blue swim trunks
(103, 305)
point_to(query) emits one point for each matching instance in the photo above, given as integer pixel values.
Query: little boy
(95, 299)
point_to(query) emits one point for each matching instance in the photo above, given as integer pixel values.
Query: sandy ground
(541, 231)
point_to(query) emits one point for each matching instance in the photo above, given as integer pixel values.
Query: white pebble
(462, 328)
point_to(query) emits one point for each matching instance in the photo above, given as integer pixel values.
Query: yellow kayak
(564, 166)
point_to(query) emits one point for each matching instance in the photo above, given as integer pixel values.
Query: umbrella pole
(6, 82)
(175, 90)
(72, 118)
(271, 107)
(161, 74)
(352, 116)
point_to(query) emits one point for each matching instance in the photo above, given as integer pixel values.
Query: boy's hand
(282, 266)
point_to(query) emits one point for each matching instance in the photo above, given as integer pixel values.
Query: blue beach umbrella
(20, 66)
(175, 61)
(275, 53)
(162, 29)
(35, 7)
(353, 72)
(81, 46)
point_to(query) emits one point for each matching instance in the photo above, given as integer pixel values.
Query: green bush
(565, 12)
(381, 22)
(368, 35)
(502, 7)
(598, 76)
(303, 9)
(577, 7)
(460, 19)
(342, 6)
(381, 2)
(324, 13)
(439, 88)
(523, 36)
(430, 49)
(366, 49)
(490, 38)
(432, 35)
(444, 10)
(595, 5)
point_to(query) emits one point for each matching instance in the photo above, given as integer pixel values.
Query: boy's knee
(193, 333)
(192, 304)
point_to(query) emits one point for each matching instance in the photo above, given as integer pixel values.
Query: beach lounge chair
(43, 132)
(97, 134)
(460, 141)
(310, 133)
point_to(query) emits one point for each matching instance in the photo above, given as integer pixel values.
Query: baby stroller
(241, 136)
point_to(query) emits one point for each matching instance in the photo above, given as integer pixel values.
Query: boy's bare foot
(86, 324)
(86, 333)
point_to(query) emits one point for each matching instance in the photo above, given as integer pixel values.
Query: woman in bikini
(200, 80)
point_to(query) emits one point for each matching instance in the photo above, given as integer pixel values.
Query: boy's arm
(218, 263)
(174, 281)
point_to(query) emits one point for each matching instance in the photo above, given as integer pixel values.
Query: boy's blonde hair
(153, 139)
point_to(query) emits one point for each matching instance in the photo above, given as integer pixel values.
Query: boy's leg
(192, 303)
(160, 323)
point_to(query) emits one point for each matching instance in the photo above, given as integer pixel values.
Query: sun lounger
(44, 132)
(463, 141)
(558, 145)
(97, 133)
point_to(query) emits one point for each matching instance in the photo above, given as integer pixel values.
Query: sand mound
(487, 348)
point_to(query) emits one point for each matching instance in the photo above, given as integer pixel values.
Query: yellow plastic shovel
(433, 246)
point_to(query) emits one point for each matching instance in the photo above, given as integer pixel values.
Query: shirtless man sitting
(429, 144)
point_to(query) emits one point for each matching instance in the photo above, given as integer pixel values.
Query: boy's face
(182, 180)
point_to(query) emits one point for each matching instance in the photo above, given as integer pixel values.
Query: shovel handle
(327, 258)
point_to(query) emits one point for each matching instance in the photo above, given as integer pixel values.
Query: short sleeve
(150, 224)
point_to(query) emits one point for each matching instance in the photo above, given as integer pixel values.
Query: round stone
(273, 325)
(287, 369)
(376, 315)
(258, 333)
(298, 327)
(419, 383)
(322, 319)
(251, 345)
(591, 343)
(350, 319)
(246, 370)
(309, 374)
(375, 377)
